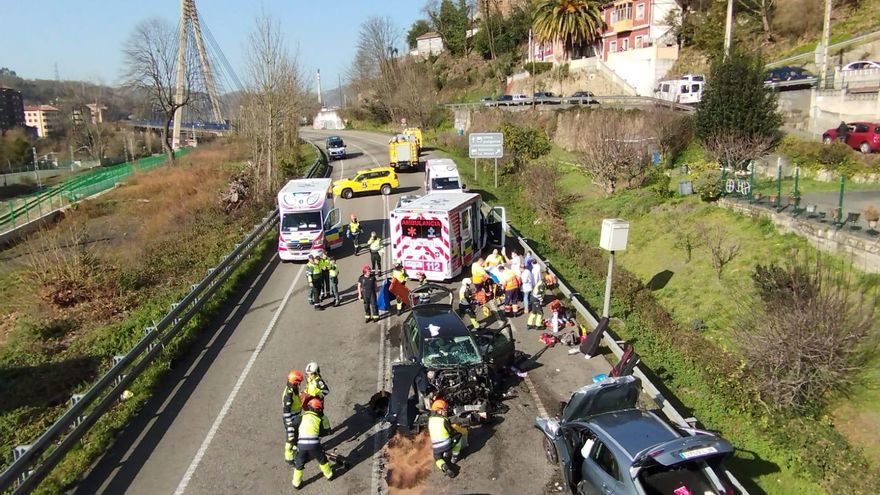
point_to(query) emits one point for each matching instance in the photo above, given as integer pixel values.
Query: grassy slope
(146, 242)
(651, 237)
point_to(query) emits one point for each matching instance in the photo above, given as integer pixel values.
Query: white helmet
(312, 367)
(466, 281)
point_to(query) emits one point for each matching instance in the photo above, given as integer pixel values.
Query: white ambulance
(441, 175)
(441, 234)
(308, 221)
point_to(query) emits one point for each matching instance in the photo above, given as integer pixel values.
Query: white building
(42, 117)
(429, 44)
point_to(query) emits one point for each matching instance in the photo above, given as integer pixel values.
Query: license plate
(690, 454)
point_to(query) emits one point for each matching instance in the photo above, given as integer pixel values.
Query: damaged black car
(441, 358)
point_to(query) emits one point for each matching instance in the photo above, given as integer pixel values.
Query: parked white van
(687, 90)
(441, 175)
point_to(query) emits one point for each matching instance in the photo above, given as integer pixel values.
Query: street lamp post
(615, 233)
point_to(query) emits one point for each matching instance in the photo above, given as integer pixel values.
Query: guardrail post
(116, 360)
(17, 452)
(11, 213)
(73, 400)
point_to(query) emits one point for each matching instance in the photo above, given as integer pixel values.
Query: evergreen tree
(418, 28)
(451, 21)
(735, 100)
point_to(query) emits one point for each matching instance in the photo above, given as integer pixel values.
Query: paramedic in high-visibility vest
(466, 302)
(446, 440)
(399, 274)
(312, 427)
(354, 232)
(375, 245)
(334, 279)
(478, 274)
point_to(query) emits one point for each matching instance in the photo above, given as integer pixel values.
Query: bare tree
(616, 151)
(763, 9)
(811, 333)
(671, 130)
(735, 149)
(374, 72)
(273, 103)
(723, 247)
(150, 57)
(687, 240)
(415, 96)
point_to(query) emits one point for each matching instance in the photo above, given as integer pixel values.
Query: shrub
(811, 336)
(536, 68)
(708, 185)
(524, 143)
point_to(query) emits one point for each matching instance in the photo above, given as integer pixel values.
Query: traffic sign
(486, 145)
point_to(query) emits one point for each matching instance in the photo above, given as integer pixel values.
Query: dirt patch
(409, 462)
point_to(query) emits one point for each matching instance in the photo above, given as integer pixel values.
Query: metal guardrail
(32, 463)
(831, 47)
(631, 101)
(613, 343)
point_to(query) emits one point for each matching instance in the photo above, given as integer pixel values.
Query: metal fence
(835, 200)
(32, 463)
(612, 101)
(24, 210)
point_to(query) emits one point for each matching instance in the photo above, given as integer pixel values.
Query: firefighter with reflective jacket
(466, 302)
(313, 276)
(446, 439)
(312, 427)
(536, 305)
(291, 411)
(399, 274)
(354, 232)
(315, 386)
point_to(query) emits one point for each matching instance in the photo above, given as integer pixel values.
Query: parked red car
(862, 136)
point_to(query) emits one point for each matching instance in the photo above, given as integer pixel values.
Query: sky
(85, 37)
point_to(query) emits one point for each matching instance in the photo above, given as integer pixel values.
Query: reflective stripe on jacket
(291, 406)
(316, 387)
(310, 428)
(438, 427)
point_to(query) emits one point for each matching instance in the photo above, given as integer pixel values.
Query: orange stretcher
(399, 290)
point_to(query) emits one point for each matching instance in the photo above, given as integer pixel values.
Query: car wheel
(347, 193)
(865, 148)
(827, 140)
(550, 451)
(385, 189)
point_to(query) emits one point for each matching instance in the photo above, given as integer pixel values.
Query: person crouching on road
(446, 441)
(375, 245)
(291, 413)
(312, 427)
(333, 273)
(466, 302)
(367, 291)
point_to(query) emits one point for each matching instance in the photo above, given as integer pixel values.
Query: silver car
(605, 444)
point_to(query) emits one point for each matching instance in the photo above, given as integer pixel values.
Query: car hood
(685, 449)
(610, 394)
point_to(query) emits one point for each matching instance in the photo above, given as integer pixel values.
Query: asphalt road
(214, 427)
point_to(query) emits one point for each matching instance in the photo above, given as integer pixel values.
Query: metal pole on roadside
(607, 306)
(751, 179)
(797, 195)
(496, 172)
(36, 168)
(728, 28)
(839, 220)
(475, 169)
(778, 183)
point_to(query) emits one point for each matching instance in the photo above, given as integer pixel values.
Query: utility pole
(826, 38)
(320, 98)
(181, 72)
(340, 88)
(728, 29)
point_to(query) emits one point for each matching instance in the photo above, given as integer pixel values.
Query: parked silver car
(605, 444)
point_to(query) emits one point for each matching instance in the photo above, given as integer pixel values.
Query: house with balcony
(638, 42)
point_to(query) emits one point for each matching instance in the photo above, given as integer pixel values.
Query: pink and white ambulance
(308, 221)
(441, 234)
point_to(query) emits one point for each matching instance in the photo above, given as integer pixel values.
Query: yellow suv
(382, 179)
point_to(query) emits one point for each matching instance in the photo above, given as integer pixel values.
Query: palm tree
(574, 22)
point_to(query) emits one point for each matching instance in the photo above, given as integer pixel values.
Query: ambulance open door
(496, 225)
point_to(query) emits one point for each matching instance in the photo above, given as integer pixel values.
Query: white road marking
(181, 487)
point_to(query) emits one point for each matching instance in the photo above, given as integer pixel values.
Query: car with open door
(605, 444)
(460, 365)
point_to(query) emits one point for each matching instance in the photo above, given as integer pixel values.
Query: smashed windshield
(450, 351)
(445, 183)
(300, 221)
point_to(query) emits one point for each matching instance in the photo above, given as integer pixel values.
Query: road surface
(214, 425)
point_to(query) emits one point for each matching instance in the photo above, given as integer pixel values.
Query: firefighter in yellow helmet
(446, 439)
(313, 426)
(291, 411)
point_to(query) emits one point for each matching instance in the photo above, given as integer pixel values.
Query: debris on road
(409, 462)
